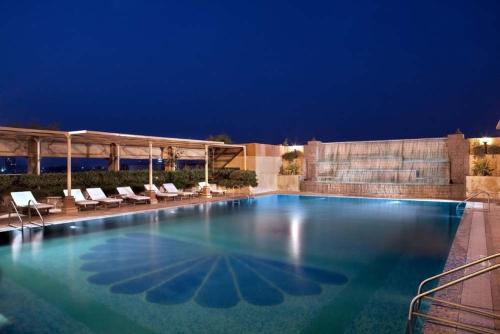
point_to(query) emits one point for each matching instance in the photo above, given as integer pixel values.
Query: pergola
(17, 141)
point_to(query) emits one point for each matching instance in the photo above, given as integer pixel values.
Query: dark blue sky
(257, 70)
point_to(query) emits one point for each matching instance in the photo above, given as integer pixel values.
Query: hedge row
(479, 150)
(52, 184)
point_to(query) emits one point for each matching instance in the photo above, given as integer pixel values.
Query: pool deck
(478, 236)
(58, 217)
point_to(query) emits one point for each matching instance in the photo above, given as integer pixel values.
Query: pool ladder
(31, 205)
(481, 192)
(415, 312)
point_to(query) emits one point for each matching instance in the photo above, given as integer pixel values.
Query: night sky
(257, 70)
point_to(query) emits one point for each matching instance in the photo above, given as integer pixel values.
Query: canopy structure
(36, 143)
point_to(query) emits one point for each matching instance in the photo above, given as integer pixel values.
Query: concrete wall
(265, 160)
(490, 184)
(289, 182)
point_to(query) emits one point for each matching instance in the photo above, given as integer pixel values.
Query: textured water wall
(407, 161)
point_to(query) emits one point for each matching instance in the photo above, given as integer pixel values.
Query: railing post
(409, 326)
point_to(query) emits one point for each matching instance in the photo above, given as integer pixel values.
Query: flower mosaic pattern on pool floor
(171, 272)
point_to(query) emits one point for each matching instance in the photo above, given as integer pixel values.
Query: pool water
(274, 264)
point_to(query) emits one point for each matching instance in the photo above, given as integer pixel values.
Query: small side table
(56, 201)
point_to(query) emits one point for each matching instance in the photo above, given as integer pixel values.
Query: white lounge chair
(80, 200)
(96, 194)
(25, 200)
(128, 193)
(212, 188)
(172, 189)
(160, 194)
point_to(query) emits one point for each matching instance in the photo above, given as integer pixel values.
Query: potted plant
(482, 167)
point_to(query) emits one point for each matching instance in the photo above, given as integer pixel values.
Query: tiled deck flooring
(493, 244)
(101, 212)
(477, 236)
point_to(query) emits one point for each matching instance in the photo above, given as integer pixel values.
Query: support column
(69, 201)
(168, 156)
(114, 158)
(458, 151)
(34, 156)
(311, 157)
(118, 157)
(245, 157)
(206, 190)
(151, 193)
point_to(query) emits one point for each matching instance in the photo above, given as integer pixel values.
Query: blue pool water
(275, 264)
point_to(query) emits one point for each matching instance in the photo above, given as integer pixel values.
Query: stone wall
(458, 150)
(452, 191)
(311, 156)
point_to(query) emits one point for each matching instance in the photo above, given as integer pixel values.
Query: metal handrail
(451, 271)
(37, 211)
(458, 325)
(415, 303)
(475, 195)
(464, 307)
(18, 215)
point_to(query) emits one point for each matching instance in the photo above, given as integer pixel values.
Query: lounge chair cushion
(166, 195)
(86, 202)
(23, 199)
(43, 206)
(76, 193)
(128, 193)
(110, 200)
(96, 194)
(171, 188)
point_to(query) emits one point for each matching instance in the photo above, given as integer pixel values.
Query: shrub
(482, 167)
(235, 178)
(52, 184)
(292, 155)
(478, 150)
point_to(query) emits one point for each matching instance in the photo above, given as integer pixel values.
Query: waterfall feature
(407, 161)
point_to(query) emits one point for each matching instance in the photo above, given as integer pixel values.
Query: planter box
(490, 184)
(289, 182)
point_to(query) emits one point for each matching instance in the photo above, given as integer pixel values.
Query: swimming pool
(279, 263)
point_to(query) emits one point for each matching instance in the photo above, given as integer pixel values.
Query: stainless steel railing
(474, 196)
(415, 304)
(30, 203)
(13, 205)
(451, 271)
